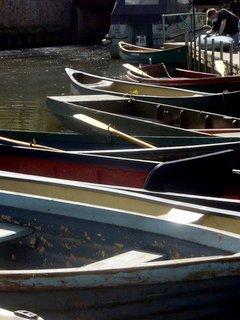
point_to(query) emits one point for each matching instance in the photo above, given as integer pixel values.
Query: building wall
(28, 23)
(34, 13)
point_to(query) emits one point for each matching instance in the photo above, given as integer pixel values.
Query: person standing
(225, 22)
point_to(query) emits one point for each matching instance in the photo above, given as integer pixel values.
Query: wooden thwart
(126, 259)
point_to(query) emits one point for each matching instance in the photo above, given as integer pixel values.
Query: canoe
(219, 213)
(209, 174)
(135, 117)
(18, 314)
(75, 261)
(219, 102)
(164, 75)
(172, 54)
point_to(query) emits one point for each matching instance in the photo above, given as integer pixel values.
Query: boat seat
(207, 174)
(10, 231)
(101, 84)
(182, 216)
(127, 259)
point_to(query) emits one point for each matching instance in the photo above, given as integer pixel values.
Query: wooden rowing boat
(208, 174)
(172, 152)
(220, 213)
(70, 260)
(134, 116)
(159, 74)
(71, 141)
(172, 54)
(220, 102)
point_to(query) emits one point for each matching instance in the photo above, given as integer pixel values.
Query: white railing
(178, 24)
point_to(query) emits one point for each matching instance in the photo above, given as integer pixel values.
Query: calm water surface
(28, 76)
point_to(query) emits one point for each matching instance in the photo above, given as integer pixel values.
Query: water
(28, 76)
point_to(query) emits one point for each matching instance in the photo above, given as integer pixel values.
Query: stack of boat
(133, 213)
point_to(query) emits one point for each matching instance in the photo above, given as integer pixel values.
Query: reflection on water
(28, 76)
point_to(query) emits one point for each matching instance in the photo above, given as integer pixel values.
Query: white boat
(6, 314)
(209, 41)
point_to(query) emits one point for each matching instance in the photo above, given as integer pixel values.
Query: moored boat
(164, 75)
(134, 116)
(209, 174)
(220, 213)
(220, 102)
(74, 141)
(173, 54)
(82, 261)
(18, 314)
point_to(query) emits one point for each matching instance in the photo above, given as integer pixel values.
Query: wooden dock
(204, 60)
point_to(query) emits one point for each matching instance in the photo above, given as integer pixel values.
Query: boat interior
(165, 114)
(73, 237)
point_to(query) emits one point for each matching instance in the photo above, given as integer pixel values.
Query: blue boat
(69, 260)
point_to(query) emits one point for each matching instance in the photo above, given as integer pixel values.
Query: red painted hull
(209, 174)
(188, 79)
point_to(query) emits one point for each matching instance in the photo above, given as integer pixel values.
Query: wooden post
(213, 56)
(205, 55)
(231, 59)
(199, 53)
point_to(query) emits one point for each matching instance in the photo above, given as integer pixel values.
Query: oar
(220, 67)
(136, 70)
(28, 144)
(108, 128)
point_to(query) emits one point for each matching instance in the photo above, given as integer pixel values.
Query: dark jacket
(231, 22)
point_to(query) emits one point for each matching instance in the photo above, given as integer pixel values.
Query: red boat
(159, 74)
(209, 174)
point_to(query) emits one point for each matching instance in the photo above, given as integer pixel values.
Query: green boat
(172, 54)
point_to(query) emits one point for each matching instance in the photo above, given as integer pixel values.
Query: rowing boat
(135, 117)
(208, 174)
(220, 213)
(70, 260)
(73, 141)
(164, 75)
(220, 102)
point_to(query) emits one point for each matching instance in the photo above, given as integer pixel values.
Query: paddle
(220, 67)
(108, 128)
(136, 70)
(28, 144)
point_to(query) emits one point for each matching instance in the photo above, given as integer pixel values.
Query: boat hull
(175, 55)
(221, 103)
(57, 269)
(215, 298)
(186, 79)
